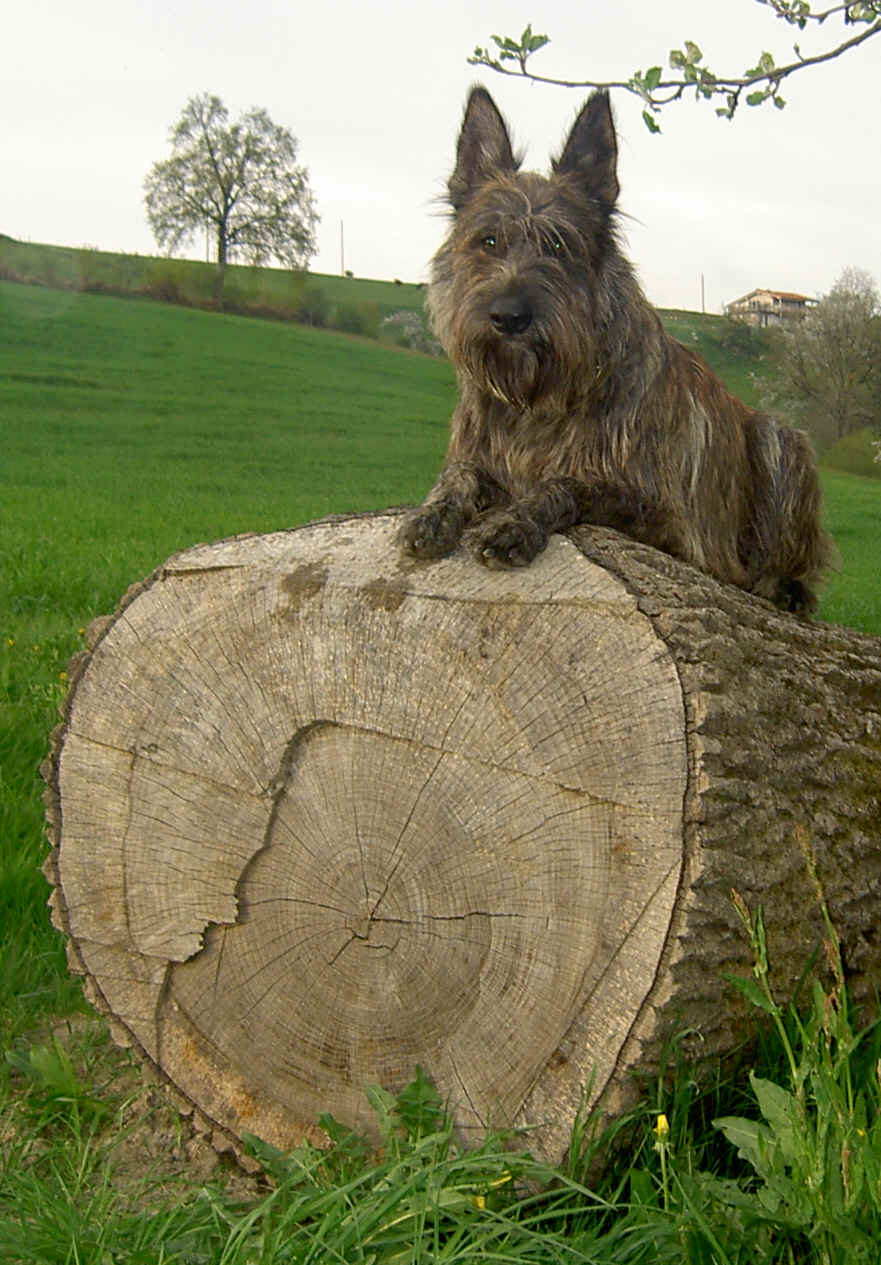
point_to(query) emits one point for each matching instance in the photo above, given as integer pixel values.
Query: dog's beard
(511, 371)
(543, 366)
(517, 371)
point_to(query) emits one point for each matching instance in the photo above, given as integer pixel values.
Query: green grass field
(132, 429)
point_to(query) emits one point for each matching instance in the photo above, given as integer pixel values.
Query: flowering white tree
(831, 363)
(240, 180)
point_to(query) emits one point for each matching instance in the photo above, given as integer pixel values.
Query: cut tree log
(322, 814)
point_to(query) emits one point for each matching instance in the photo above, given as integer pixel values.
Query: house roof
(776, 294)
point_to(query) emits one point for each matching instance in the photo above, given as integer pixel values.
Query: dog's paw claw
(503, 541)
(431, 532)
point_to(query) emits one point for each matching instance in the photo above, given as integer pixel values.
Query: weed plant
(798, 1180)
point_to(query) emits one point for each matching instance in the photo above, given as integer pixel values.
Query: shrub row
(283, 296)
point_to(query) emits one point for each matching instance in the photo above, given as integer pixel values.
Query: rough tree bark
(322, 813)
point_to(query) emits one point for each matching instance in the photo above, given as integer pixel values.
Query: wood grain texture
(322, 814)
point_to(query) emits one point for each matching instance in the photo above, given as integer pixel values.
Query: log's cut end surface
(326, 814)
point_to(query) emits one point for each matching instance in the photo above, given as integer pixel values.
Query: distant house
(770, 307)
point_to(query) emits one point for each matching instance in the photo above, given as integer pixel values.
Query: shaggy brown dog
(575, 406)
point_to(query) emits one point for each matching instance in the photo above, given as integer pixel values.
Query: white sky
(374, 94)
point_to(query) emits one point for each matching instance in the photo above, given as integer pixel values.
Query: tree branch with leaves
(756, 85)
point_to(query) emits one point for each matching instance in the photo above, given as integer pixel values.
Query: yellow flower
(662, 1127)
(479, 1201)
(10, 641)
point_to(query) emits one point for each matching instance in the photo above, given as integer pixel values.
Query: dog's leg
(462, 491)
(513, 535)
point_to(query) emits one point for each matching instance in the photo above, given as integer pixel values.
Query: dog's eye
(490, 242)
(554, 244)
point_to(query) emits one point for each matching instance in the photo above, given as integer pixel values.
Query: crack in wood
(400, 856)
(148, 753)
(511, 770)
(674, 868)
(465, 1090)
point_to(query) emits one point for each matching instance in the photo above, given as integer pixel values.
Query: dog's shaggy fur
(575, 406)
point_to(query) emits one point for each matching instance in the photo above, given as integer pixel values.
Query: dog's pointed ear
(484, 148)
(591, 152)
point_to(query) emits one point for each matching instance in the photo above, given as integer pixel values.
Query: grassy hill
(349, 304)
(159, 425)
(353, 305)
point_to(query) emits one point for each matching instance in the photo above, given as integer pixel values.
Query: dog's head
(484, 152)
(516, 288)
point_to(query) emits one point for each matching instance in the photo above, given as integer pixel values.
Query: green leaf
(420, 1107)
(693, 53)
(727, 1192)
(781, 1110)
(383, 1104)
(509, 50)
(770, 1199)
(642, 1190)
(752, 1139)
(750, 988)
(530, 43)
(756, 98)
(481, 57)
(652, 78)
(649, 121)
(354, 1145)
(760, 941)
(48, 1067)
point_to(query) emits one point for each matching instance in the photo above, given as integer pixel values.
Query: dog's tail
(790, 550)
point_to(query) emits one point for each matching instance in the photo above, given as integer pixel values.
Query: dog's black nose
(510, 314)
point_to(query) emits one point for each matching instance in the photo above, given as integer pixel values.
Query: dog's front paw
(505, 539)
(432, 531)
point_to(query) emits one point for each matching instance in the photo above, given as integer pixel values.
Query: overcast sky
(374, 94)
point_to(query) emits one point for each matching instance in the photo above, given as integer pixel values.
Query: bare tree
(241, 181)
(832, 360)
(758, 83)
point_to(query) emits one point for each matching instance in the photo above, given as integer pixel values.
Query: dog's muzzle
(510, 314)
